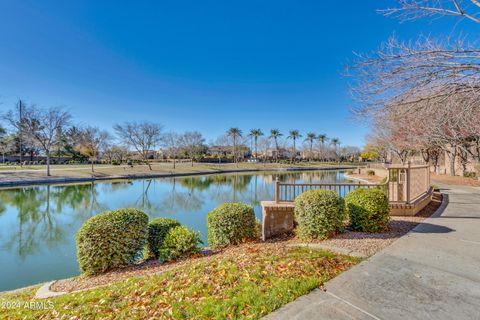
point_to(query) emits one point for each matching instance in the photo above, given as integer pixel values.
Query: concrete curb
(44, 291)
(442, 207)
(357, 179)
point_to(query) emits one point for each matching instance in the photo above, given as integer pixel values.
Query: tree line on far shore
(50, 132)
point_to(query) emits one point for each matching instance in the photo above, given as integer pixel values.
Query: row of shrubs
(321, 213)
(123, 237)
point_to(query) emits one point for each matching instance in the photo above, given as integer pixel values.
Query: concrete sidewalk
(431, 273)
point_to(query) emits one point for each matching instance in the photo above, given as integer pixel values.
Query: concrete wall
(277, 218)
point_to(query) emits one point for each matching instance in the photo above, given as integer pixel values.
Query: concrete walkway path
(431, 273)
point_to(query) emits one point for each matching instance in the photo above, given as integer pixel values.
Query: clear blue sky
(203, 65)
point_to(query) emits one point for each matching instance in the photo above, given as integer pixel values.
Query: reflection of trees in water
(40, 211)
(185, 200)
(82, 198)
(37, 221)
(155, 203)
(319, 176)
(239, 182)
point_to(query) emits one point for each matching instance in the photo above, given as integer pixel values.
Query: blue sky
(195, 65)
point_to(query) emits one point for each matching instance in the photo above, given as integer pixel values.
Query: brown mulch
(365, 243)
(456, 180)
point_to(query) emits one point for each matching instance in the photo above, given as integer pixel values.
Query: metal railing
(287, 192)
(404, 185)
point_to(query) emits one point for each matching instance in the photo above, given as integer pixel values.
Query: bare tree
(172, 143)
(142, 136)
(115, 152)
(7, 143)
(264, 143)
(193, 143)
(92, 141)
(416, 9)
(423, 96)
(406, 73)
(40, 126)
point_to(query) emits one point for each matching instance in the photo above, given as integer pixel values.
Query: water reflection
(38, 223)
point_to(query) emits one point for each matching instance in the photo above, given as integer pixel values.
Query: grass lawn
(244, 282)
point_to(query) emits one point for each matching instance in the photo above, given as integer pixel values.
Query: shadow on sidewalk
(426, 227)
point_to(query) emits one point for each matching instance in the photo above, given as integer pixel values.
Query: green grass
(247, 283)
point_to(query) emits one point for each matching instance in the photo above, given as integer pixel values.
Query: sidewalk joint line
(354, 306)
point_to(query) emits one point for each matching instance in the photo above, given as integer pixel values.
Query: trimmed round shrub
(231, 223)
(157, 231)
(180, 242)
(111, 239)
(319, 214)
(368, 210)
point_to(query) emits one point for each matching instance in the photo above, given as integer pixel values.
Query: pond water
(38, 223)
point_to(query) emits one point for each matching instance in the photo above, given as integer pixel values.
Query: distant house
(281, 153)
(151, 154)
(227, 151)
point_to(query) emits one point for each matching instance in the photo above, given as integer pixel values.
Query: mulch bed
(370, 243)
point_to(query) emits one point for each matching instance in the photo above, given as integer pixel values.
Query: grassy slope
(243, 283)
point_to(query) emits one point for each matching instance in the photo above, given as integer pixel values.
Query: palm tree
(335, 142)
(311, 136)
(235, 134)
(275, 134)
(254, 134)
(322, 138)
(294, 135)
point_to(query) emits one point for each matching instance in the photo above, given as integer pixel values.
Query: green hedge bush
(368, 210)
(231, 223)
(111, 239)
(179, 242)
(157, 231)
(319, 214)
(469, 174)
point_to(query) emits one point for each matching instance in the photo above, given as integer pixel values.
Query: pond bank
(14, 181)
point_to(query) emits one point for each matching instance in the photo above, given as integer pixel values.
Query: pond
(38, 223)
